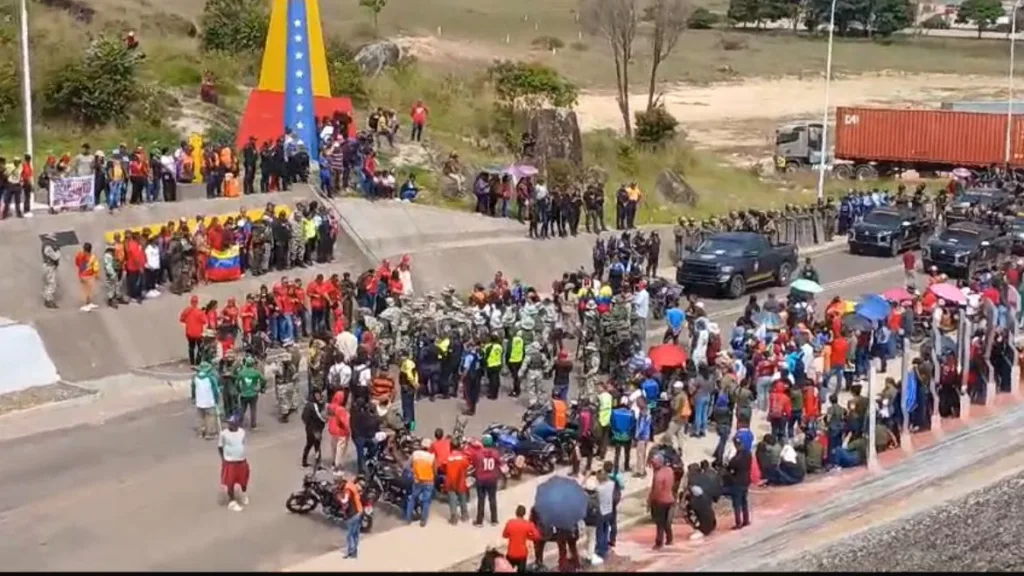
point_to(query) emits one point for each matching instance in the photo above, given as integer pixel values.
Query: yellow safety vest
(309, 228)
(604, 414)
(443, 345)
(407, 369)
(515, 354)
(494, 356)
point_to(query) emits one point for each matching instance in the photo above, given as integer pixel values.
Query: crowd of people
(137, 264)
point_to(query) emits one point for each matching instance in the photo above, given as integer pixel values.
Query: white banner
(74, 192)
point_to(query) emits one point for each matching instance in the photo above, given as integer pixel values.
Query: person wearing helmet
(533, 369)
(251, 384)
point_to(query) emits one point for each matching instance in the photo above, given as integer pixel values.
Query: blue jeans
(700, 415)
(834, 372)
(763, 385)
(272, 327)
(153, 190)
(504, 207)
(285, 327)
(723, 439)
(845, 458)
(361, 445)
(794, 420)
(115, 195)
(604, 527)
(422, 492)
(778, 427)
(740, 505)
(408, 406)
(352, 527)
(318, 321)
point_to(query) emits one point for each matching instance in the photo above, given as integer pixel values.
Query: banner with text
(75, 192)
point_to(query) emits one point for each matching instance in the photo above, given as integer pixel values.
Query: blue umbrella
(874, 308)
(770, 320)
(560, 502)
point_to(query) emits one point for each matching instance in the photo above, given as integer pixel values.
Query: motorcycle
(324, 493)
(529, 452)
(387, 483)
(664, 295)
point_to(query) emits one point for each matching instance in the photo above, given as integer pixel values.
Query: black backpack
(593, 509)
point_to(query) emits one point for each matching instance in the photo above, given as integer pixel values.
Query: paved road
(139, 492)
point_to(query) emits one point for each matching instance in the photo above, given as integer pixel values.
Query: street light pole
(824, 114)
(1009, 96)
(26, 82)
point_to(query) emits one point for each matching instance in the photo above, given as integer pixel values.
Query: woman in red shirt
(137, 176)
(194, 320)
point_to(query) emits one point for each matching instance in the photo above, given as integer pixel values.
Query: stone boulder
(376, 57)
(673, 188)
(557, 133)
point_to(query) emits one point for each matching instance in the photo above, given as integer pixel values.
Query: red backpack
(586, 423)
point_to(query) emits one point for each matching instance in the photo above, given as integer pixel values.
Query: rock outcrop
(673, 188)
(557, 134)
(376, 57)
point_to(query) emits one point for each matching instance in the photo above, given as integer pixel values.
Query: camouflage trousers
(535, 386)
(50, 284)
(296, 250)
(287, 393)
(588, 388)
(111, 288)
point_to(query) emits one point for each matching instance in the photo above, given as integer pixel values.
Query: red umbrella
(667, 355)
(897, 295)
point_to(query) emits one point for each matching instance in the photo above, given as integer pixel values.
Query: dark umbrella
(560, 502)
(853, 321)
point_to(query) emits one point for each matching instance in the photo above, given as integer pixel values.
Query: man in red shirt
(298, 296)
(317, 291)
(194, 320)
(519, 532)
(135, 262)
(248, 318)
(840, 350)
(455, 472)
(487, 467)
(418, 114)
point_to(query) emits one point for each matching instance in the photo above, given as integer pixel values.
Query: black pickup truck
(731, 261)
(966, 248)
(890, 231)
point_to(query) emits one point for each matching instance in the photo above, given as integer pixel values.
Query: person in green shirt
(251, 384)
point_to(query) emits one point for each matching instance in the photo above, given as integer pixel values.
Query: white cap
(677, 384)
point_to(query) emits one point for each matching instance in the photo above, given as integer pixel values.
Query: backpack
(593, 510)
(586, 419)
(722, 401)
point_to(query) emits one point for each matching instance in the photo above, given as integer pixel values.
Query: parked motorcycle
(530, 452)
(386, 482)
(664, 295)
(324, 493)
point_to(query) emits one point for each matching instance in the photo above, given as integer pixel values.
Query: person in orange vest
(352, 509)
(88, 268)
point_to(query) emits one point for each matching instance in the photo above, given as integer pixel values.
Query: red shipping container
(926, 137)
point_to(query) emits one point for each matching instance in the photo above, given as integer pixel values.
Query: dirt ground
(740, 117)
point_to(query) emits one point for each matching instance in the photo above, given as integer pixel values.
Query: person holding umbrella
(559, 505)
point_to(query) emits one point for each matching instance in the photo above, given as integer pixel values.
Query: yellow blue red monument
(294, 88)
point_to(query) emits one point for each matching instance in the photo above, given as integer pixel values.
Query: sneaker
(85, 308)
(245, 499)
(234, 506)
(93, 306)
(596, 560)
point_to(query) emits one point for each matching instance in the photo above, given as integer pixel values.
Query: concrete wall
(24, 358)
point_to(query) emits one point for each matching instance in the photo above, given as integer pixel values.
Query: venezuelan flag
(224, 265)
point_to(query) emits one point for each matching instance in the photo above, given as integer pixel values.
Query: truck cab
(798, 145)
(731, 261)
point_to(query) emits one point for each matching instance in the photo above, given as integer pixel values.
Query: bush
(731, 43)
(655, 127)
(547, 43)
(99, 88)
(702, 19)
(346, 78)
(531, 85)
(234, 26)
(10, 84)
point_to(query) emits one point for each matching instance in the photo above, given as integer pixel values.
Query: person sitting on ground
(700, 512)
(789, 471)
(410, 189)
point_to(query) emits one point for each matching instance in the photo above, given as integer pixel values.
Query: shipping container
(891, 140)
(984, 106)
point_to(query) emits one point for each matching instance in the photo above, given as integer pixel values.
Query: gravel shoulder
(981, 531)
(40, 395)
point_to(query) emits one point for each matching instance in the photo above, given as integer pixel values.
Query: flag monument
(294, 87)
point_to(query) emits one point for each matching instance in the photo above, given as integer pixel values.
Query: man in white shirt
(339, 376)
(234, 468)
(152, 273)
(642, 308)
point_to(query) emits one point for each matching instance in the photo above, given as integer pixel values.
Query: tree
(234, 26)
(655, 127)
(890, 16)
(531, 85)
(669, 19)
(702, 19)
(743, 11)
(97, 88)
(616, 21)
(982, 13)
(374, 7)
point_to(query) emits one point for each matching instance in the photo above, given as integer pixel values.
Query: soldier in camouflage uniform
(262, 240)
(111, 284)
(296, 244)
(591, 368)
(51, 259)
(532, 370)
(286, 385)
